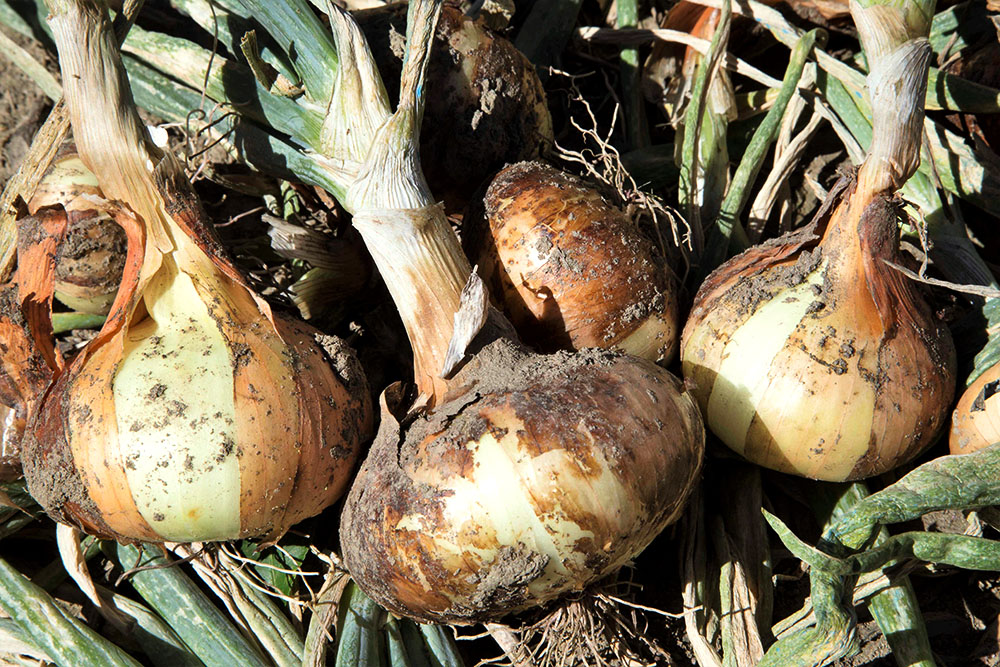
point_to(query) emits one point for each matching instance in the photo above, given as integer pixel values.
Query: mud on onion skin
(522, 476)
(536, 476)
(570, 269)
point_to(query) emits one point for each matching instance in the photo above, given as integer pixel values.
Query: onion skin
(570, 269)
(488, 107)
(526, 483)
(811, 356)
(975, 423)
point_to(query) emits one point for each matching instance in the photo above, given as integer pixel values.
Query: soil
(23, 107)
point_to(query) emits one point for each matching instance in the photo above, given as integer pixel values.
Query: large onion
(196, 414)
(811, 354)
(520, 477)
(570, 269)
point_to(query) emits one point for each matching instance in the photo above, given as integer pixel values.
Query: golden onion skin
(488, 107)
(975, 423)
(571, 270)
(535, 476)
(810, 355)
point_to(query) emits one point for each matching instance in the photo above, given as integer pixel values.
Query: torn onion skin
(196, 414)
(975, 423)
(92, 256)
(534, 477)
(570, 270)
(811, 356)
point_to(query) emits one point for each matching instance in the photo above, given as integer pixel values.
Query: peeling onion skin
(488, 107)
(811, 356)
(975, 423)
(91, 259)
(524, 484)
(571, 270)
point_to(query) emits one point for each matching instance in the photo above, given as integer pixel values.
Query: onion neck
(422, 264)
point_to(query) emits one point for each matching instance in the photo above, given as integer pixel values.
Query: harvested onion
(489, 108)
(810, 353)
(975, 423)
(196, 413)
(569, 268)
(521, 477)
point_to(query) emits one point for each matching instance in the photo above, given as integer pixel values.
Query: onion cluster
(513, 478)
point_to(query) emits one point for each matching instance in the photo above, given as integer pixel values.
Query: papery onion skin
(820, 359)
(488, 107)
(570, 270)
(975, 423)
(536, 476)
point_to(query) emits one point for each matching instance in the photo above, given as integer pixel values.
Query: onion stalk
(513, 478)
(811, 354)
(196, 413)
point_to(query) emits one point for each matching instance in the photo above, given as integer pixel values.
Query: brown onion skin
(864, 341)
(571, 270)
(975, 423)
(421, 531)
(488, 107)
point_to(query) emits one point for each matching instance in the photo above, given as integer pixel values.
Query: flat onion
(196, 414)
(569, 268)
(520, 477)
(810, 353)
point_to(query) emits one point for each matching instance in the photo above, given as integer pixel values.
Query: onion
(810, 353)
(570, 269)
(195, 414)
(489, 108)
(520, 477)
(92, 256)
(975, 423)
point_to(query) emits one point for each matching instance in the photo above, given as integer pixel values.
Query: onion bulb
(975, 423)
(519, 477)
(92, 256)
(811, 354)
(196, 413)
(570, 269)
(489, 108)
